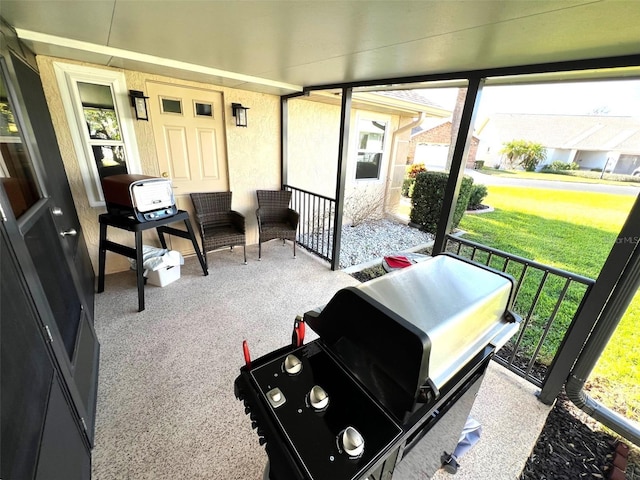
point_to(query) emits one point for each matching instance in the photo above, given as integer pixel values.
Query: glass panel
(99, 111)
(49, 261)
(16, 171)
(204, 109)
(110, 159)
(170, 105)
(370, 148)
(26, 373)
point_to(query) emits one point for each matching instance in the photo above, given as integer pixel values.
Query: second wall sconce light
(240, 113)
(139, 102)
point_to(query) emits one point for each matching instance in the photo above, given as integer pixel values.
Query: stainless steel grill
(142, 197)
(387, 387)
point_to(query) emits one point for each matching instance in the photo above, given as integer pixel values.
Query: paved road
(553, 185)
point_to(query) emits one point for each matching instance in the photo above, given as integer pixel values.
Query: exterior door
(188, 126)
(25, 369)
(45, 233)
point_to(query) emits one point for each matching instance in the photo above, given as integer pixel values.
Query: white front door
(188, 128)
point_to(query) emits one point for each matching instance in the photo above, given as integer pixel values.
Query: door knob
(57, 211)
(165, 174)
(72, 232)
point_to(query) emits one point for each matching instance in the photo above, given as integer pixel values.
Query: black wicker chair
(275, 218)
(219, 225)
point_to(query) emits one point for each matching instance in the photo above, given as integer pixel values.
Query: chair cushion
(224, 236)
(277, 230)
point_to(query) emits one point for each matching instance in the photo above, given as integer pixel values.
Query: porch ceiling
(280, 46)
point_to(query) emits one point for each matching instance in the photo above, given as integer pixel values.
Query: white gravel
(372, 240)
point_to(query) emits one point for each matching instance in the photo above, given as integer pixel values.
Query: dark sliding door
(49, 347)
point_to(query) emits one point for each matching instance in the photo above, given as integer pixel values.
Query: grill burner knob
(318, 398)
(352, 442)
(292, 364)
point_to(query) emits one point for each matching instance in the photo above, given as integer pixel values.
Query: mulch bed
(569, 448)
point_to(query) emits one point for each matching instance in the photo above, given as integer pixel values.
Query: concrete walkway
(512, 418)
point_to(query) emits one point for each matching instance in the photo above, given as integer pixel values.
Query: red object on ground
(620, 462)
(617, 474)
(623, 449)
(398, 261)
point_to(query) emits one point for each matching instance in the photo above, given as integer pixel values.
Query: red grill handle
(301, 329)
(298, 332)
(247, 355)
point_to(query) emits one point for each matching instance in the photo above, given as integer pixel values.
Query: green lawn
(573, 231)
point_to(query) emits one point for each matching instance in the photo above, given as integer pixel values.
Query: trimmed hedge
(559, 166)
(426, 202)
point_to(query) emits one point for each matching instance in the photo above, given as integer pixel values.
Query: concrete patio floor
(165, 399)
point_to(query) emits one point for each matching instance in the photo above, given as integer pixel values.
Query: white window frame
(68, 75)
(385, 146)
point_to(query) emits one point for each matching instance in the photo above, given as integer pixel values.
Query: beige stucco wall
(253, 156)
(313, 137)
(314, 133)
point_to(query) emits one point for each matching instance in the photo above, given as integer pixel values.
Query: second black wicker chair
(219, 225)
(275, 218)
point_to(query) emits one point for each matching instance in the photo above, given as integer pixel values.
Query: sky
(620, 98)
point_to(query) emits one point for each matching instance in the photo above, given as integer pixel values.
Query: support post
(284, 135)
(345, 116)
(460, 152)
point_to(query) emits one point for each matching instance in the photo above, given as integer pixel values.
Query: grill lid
(415, 326)
(389, 355)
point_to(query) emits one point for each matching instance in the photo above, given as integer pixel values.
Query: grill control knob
(318, 397)
(352, 442)
(292, 364)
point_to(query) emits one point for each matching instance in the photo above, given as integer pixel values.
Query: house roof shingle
(580, 132)
(412, 96)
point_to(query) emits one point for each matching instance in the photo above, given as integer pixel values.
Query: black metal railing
(317, 213)
(546, 298)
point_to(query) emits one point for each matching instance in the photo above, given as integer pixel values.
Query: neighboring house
(430, 144)
(591, 141)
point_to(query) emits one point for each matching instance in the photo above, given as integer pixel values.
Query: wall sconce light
(240, 113)
(139, 102)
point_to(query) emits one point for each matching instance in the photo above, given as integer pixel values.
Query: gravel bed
(371, 240)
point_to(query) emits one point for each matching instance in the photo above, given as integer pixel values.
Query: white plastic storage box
(164, 276)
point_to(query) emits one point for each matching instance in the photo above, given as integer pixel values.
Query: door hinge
(84, 424)
(4, 217)
(49, 336)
